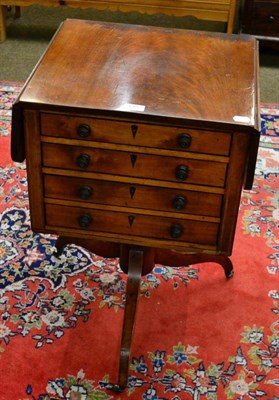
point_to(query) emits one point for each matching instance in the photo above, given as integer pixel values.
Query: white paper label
(132, 107)
(240, 118)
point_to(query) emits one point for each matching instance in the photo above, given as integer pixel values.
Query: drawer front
(138, 165)
(63, 217)
(265, 19)
(162, 137)
(134, 196)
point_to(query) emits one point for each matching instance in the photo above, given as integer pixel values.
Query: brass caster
(230, 274)
(117, 388)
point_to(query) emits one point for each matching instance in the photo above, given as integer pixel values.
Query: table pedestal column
(137, 261)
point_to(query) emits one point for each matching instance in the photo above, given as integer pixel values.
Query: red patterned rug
(197, 335)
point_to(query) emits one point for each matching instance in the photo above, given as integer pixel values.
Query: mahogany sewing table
(138, 141)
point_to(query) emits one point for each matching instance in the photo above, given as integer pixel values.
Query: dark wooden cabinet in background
(261, 18)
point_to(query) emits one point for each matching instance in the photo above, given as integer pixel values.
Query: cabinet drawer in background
(63, 217)
(133, 196)
(138, 165)
(265, 19)
(136, 134)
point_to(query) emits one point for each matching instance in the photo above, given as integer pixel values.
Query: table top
(199, 77)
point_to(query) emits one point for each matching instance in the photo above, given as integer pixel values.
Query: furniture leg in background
(3, 20)
(3, 13)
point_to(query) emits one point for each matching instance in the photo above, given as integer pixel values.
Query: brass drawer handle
(176, 231)
(85, 192)
(184, 141)
(182, 172)
(179, 202)
(83, 161)
(83, 131)
(84, 220)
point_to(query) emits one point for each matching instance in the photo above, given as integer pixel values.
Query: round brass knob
(85, 192)
(179, 202)
(271, 18)
(182, 172)
(83, 161)
(184, 141)
(84, 220)
(176, 231)
(83, 131)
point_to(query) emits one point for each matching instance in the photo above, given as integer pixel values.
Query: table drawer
(138, 165)
(265, 19)
(133, 196)
(63, 217)
(136, 134)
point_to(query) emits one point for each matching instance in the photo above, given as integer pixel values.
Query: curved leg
(227, 266)
(176, 259)
(135, 265)
(60, 244)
